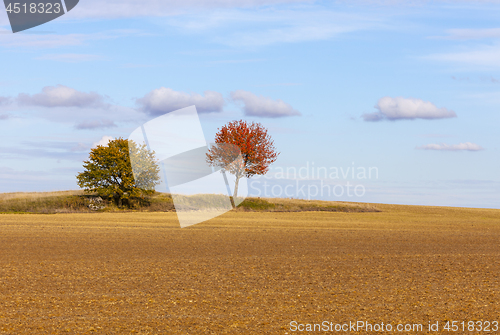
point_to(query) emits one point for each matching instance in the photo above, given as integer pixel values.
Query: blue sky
(409, 87)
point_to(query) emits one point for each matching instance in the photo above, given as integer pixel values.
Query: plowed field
(248, 273)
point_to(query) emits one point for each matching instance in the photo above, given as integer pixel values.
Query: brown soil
(247, 272)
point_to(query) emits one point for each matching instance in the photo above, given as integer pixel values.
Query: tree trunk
(232, 202)
(236, 187)
(118, 199)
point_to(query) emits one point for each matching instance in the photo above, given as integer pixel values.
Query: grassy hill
(78, 202)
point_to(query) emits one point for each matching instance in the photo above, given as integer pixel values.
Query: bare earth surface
(248, 273)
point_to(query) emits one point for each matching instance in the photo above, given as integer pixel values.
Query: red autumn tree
(255, 145)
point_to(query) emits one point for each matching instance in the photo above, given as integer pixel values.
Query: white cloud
(97, 124)
(103, 141)
(467, 146)
(407, 108)
(61, 96)
(164, 100)
(70, 58)
(262, 106)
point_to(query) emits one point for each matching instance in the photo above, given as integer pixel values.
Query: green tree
(108, 171)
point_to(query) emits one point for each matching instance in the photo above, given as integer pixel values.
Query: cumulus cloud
(61, 96)
(103, 141)
(254, 105)
(164, 100)
(96, 124)
(401, 108)
(467, 146)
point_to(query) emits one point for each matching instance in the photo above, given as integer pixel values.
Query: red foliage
(255, 144)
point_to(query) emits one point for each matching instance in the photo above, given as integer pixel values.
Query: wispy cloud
(278, 84)
(434, 135)
(9, 40)
(154, 8)
(484, 79)
(48, 41)
(249, 23)
(273, 26)
(137, 66)
(492, 80)
(471, 34)
(467, 146)
(460, 78)
(292, 34)
(483, 56)
(44, 149)
(71, 58)
(418, 3)
(400, 108)
(237, 61)
(96, 124)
